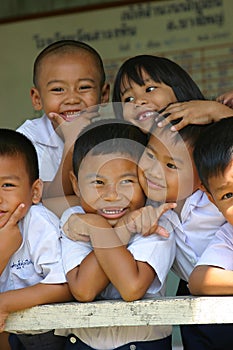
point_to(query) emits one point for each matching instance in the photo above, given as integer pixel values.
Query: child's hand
(14, 218)
(69, 130)
(76, 229)
(194, 112)
(9, 230)
(226, 98)
(145, 220)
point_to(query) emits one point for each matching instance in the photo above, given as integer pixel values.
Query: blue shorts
(42, 341)
(206, 336)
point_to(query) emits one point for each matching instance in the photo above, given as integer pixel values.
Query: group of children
(139, 203)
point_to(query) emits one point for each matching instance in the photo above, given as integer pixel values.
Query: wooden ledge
(159, 311)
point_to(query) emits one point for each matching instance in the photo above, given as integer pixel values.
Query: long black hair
(161, 70)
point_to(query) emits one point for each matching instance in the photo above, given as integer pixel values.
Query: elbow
(198, 282)
(84, 296)
(132, 294)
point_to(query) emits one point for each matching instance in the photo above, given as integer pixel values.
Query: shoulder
(37, 129)
(40, 218)
(70, 211)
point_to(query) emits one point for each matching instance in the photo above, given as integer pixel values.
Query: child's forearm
(87, 280)
(20, 299)
(210, 280)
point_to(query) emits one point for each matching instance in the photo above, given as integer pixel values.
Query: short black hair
(13, 143)
(161, 70)
(109, 136)
(189, 134)
(214, 150)
(64, 46)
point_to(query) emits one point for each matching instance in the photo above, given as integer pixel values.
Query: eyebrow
(94, 175)
(224, 186)
(10, 177)
(61, 81)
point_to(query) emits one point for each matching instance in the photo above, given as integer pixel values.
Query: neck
(179, 206)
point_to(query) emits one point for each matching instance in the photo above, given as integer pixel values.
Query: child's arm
(87, 280)
(20, 299)
(211, 280)
(213, 274)
(10, 236)
(195, 112)
(130, 277)
(90, 277)
(68, 131)
(85, 276)
(145, 220)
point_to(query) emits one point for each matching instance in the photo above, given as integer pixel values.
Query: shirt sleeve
(158, 252)
(73, 252)
(42, 236)
(220, 250)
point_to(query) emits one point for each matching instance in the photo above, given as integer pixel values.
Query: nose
(72, 97)
(140, 100)
(110, 193)
(156, 170)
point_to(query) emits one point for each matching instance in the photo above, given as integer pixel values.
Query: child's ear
(37, 190)
(36, 100)
(209, 195)
(74, 182)
(105, 93)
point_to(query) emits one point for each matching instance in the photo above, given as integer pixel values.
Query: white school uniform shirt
(200, 220)
(38, 259)
(158, 252)
(49, 146)
(220, 250)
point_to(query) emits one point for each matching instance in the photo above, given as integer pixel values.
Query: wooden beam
(159, 311)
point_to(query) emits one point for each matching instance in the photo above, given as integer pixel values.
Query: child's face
(68, 84)
(139, 102)
(108, 185)
(166, 169)
(15, 187)
(221, 188)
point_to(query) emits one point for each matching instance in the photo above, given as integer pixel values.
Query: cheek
(226, 209)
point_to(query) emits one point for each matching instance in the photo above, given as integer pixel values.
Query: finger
(180, 125)
(17, 215)
(165, 207)
(56, 117)
(161, 231)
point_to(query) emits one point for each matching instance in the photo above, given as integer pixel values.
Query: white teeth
(71, 114)
(147, 115)
(112, 212)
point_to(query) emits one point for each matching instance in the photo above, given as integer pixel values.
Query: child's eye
(6, 185)
(57, 89)
(150, 155)
(98, 182)
(128, 99)
(227, 195)
(150, 88)
(126, 181)
(171, 166)
(85, 87)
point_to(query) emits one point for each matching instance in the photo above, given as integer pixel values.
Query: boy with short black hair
(32, 272)
(69, 84)
(213, 156)
(113, 263)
